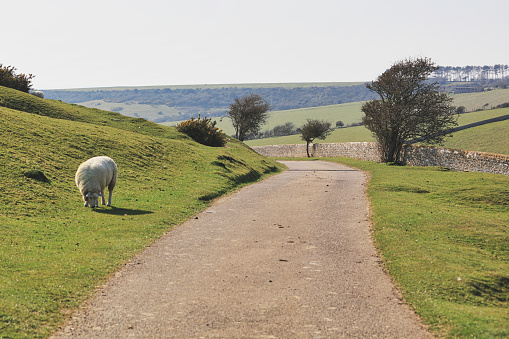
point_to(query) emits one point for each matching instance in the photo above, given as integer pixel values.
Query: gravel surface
(289, 257)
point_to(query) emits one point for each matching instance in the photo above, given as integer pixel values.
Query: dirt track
(289, 257)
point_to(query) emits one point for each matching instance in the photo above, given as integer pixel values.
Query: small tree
(461, 109)
(314, 129)
(339, 124)
(20, 82)
(248, 114)
(409, 107)
(282, 130)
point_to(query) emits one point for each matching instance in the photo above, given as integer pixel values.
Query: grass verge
(444, 238)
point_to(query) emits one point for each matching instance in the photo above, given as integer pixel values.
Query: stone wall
(414, 155)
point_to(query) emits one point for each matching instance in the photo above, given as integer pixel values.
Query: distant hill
(165, 104)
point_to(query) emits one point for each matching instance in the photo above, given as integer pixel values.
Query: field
(53, 251)
(443, 236)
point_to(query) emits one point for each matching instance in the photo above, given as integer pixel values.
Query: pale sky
(102, 43)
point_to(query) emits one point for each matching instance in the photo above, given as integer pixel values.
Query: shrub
(461, 109)
(203, 131)
(20, 82)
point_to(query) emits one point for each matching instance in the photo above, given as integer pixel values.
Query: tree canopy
(409, 107)
(248, 114)
(314, 129)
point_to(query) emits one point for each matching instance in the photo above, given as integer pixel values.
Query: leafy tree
(314, 129)
(20, 82)
(248, 114)
(409, 107)
(282, 130)
(461, 109)
(339, 124)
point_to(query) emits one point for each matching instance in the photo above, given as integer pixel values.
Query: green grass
(53, 251)
(475, 101)
(491, 138)
(444, 238)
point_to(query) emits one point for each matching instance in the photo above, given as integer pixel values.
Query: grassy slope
(444, 238)
(475, 101)
(53, 251)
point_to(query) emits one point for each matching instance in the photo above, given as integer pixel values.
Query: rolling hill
(53, 251)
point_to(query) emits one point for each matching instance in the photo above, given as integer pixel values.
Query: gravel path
(289, 257)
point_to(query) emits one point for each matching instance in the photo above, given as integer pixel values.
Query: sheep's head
(92, 199)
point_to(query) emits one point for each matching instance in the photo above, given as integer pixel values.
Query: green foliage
(248, 114)
(409, 107)
(9, 78)
(203, 131)
(53, 251)
(314, 129)
(443, 238)
(461, 109)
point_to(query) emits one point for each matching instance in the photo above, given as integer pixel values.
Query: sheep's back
(95, 174)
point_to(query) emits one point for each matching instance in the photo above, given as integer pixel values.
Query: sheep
(93, 176)
(38, 94)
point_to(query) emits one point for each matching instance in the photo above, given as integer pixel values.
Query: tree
(282, 130)
(461, 109)
(248, 114)
(409, 107)
(20, 82)
(314, 129)
(339, 124)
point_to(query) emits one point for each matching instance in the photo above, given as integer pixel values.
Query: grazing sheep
(93, 176)
(38, 94)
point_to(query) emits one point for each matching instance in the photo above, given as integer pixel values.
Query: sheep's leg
(109, 196)
(102, 198)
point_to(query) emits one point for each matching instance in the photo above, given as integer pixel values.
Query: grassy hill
(53, 251)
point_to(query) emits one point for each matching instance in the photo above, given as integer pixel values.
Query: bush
(461, 109)
(20, 82)
(203, 131)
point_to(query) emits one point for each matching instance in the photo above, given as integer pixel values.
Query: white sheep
(37, 94)
(93, 176)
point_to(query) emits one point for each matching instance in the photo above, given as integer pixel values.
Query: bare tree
(409, 107)
(248, 114)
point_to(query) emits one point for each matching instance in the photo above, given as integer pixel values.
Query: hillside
(53, 251)
(175, 103)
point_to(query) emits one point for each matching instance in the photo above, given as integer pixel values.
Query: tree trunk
(307, 148)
